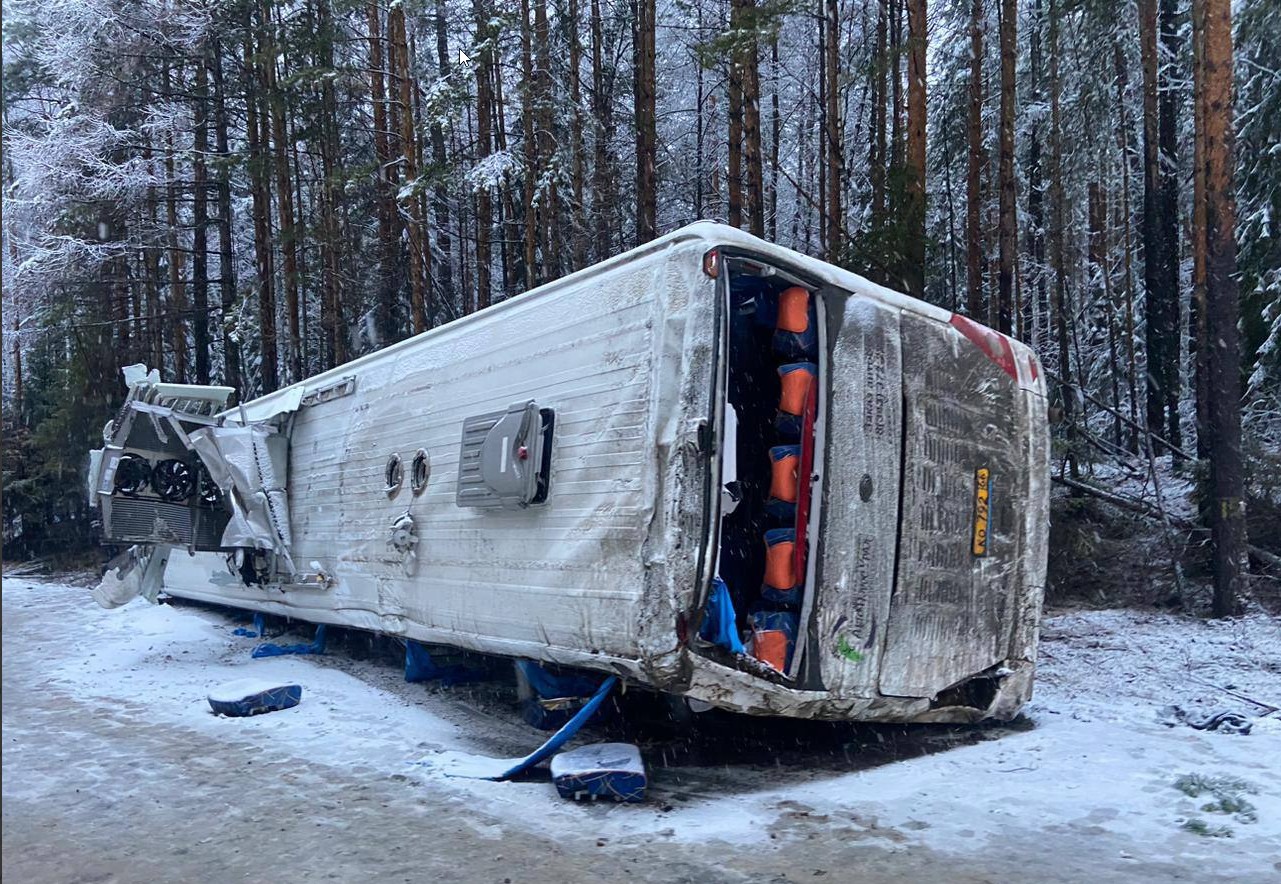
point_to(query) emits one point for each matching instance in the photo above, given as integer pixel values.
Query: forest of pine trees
(247, 192)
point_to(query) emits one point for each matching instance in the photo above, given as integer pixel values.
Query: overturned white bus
(712, 466)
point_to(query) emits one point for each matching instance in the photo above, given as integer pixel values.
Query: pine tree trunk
(801, 227)
(1168, 225)
(1127, 216)
(835, 164)
(950, 199)
(409, 203)
(18, 410)
(1155, 259)
(734, 100)
(754, 192)
(1226, 472)
(232, 375)
(508, 221)
(549, 220)
(306, 204)
(700, 122)
(603, 125)
(388, 245)
(776, 134)
(1057, 249)
(577, 221)
(913, 267)
(177, 299)
(331, 197)
(532, 275)
(1102, 293)
(465, 226)
(484, 221)
(155, 339)
(14, 307)
(255, 132)
(1007, 238)
(880, 97)
(896, 101)
(284, 193)
(646, 121)
(444, 273)
(974, 169)
(1038, 335)
(200, 225)
(1199, 341)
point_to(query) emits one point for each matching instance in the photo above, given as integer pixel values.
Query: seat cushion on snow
(612, 771)
(253, 697)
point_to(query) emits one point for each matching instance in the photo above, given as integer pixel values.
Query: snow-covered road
(115, 770)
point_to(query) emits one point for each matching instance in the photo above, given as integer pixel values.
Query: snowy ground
(115, 770)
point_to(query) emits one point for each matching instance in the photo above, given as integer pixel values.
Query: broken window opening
(543, 479)
(394, 475)
(767, 457)
(420, 472)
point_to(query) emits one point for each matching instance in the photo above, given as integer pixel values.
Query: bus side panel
(957, 599)
(597, 573)
(566, 573)
(860, 510)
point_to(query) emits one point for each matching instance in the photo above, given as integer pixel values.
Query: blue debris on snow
(506, 768)
(317, 646)
(610, 771)
(253, 697)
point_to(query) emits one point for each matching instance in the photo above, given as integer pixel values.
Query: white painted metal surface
(606, 574)
(623, 358)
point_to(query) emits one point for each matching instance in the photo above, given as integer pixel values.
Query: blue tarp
(549, 685)
(505, 769)
(260, 628)
(419, 666)
(719, 626)
(317, 646)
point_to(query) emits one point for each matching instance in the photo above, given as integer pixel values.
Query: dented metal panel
(952, 607)
(603, 567)
(248, 464)
(604, 574)
(862, 495)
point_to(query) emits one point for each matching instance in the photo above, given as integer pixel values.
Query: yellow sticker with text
(982, 491)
